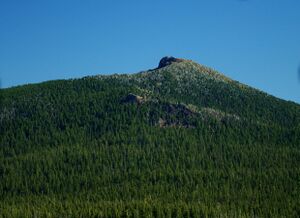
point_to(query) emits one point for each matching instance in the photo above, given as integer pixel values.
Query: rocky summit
(165, 61)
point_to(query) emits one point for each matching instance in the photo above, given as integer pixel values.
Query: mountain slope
(181, 139)
(195, 84)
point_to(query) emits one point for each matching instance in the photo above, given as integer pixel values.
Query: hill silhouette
(181, 140)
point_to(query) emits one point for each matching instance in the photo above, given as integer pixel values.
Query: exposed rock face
(132, 98)
(178, 109)
(176, 115)
(165, 61)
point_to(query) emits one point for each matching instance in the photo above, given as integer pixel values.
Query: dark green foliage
(197, 145)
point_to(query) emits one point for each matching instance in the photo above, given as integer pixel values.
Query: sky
(253, 41)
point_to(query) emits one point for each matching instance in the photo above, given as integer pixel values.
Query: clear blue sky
(253, 41)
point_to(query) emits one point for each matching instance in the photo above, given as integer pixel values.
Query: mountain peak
(165, 61)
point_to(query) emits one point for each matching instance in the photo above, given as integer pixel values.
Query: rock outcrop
(165, 61)
(132, 98)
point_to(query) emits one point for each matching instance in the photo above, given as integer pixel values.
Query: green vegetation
(189, 142)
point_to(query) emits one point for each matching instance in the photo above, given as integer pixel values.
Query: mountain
(180, 140)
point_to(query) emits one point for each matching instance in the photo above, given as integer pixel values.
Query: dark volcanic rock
(165, 61)
(179, 109)
(177, 115)
(132, 98)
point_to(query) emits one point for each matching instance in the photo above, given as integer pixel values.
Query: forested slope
(181, 140)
